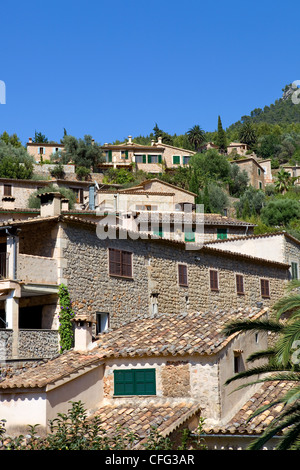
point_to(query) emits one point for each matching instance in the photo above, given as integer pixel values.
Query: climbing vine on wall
(65, 329)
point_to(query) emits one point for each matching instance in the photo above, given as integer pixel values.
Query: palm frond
(251, 325)
(266, 354)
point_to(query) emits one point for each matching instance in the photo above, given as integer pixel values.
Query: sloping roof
(208, 219)
(64, 366)
(269, 392)
(253, 237)
(157, 180)
(177, 334)
(166, 416)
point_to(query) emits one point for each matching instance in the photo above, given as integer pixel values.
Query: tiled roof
(139, 417)
(153, 335)
(269, 392)
(172, 334)
(253, 237)
(64, 366)
(208, 219)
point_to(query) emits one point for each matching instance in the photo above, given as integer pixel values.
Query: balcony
(36, 269)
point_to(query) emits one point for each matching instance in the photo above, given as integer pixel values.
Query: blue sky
(115, 68)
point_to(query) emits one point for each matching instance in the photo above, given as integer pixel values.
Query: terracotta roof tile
(140, 417)
(200, 333)
(269, 392)
(59, 368)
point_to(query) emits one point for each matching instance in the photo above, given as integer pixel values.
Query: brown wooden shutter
(214, 279)
(126, 261)
(239, 284)
(7, 190)
(114, 262)
(265, 290)
(182, 275)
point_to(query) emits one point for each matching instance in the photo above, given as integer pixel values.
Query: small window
(222, 233)
(214, 284)
(176, 159)
(102, 322)
(258, 171)
(238, 363)
(265, 288)
(134, 382)
(7, 189)
(186, 160)
(239, 284)
(294, 268)
(182, 275)
(120, 263)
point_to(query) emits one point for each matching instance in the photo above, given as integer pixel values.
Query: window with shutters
(214, 284)
(294, 268)
(265, 288)
(134, 382)
(7, 189)
(182, 275)
(176, 159)
(222, 233)
(120, 263)
(239, 284)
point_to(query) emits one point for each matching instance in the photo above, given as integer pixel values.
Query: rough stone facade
(154, 284)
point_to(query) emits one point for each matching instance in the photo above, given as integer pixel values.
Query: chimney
(8, 202)
(160, 140)
(50, 204)
(152, 142)
(65, 204)
(83, 336)
(30, 140)
(129, 139)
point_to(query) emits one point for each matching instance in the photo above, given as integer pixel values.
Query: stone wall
(155, 278)
(38, 344)
(32, 344)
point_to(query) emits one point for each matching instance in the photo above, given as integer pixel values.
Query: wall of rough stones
(155, 278)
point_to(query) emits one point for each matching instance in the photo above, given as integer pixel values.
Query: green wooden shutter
(126, 154)
(134, 382)
(124, 382)
(176, 159)
(110, 155)
(144, 158)
(159, 158)
(149, 159)
(222, 233)
(294, 267)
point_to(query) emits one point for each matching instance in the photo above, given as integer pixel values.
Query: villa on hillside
(154, 158)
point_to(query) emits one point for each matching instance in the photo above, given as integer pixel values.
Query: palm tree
(283, 181)
(282, 365)
(196, 137)
(247, 134)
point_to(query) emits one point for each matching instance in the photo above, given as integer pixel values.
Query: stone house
(115, 276)
(254, 170)
(163, 370)
(154, 158)
(151, 195)
(278, 246)
(140, 362)
(14, 193)
(266, 165)
(237, 147)
(42, 151)
(189, 226)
